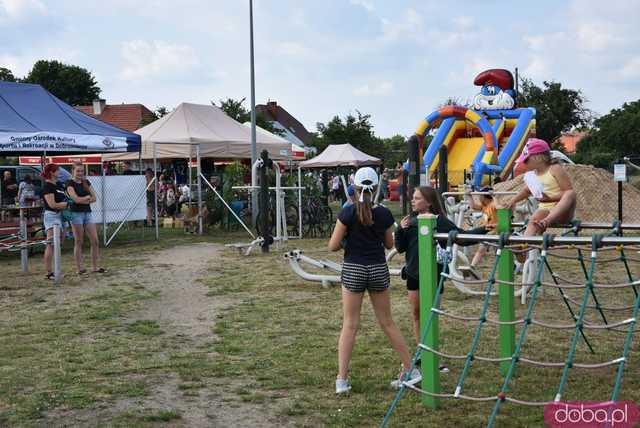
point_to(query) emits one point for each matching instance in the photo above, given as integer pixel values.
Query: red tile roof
(273, 112)
(570, 140)
(125, 116)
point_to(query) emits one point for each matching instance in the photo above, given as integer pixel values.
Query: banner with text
(60, 142)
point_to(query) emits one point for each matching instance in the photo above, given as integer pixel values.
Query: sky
(395, 60)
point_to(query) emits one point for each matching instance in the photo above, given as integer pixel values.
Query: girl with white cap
(366, 231)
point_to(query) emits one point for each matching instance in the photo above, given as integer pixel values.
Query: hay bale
(596, 192)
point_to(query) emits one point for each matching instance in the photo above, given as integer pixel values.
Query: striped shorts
(357, 278)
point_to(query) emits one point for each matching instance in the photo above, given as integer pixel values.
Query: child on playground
(365, 230)
(426, 200)
(550, 184)
(487, 206)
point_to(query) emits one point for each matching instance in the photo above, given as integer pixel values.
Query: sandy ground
(182, 310)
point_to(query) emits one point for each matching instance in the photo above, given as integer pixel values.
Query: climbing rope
(581, 323)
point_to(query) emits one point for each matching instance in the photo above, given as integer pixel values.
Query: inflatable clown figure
(497, 90)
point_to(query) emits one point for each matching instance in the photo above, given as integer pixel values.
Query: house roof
(276, 113)
(124, 116)
(570, 140)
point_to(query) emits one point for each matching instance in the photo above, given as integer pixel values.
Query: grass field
(82, 352)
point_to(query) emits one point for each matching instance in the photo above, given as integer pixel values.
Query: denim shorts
(82, 217)
(52, 218)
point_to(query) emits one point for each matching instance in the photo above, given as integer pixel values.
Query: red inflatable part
(496, 76)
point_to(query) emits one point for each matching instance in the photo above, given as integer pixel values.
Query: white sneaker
(342, 386)
(413, 379)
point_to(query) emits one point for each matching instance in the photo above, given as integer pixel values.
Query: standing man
(9, 189)
(127, 169)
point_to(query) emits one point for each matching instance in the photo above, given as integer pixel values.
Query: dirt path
(182, 309)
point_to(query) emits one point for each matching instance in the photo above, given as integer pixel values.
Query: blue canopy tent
(34, 122)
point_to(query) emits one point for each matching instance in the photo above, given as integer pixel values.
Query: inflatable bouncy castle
(483, 139)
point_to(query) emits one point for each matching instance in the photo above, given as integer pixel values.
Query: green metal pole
(506, 294)
(428, 288)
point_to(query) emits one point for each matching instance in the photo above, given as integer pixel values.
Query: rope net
(577, 307)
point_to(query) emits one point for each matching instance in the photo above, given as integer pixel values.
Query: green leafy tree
(7, 75)
(395, 150)
(72, 84)
(161, 111)
(558, 109)
(615, 135)
(355, 130)
(236, 110)
(157, 114)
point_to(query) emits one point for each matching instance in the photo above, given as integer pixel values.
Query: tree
(72, 84)
(237, 111)
(395, 149)
(558, 109)
(453, 101)
(161, 111)
(6, 75)
(355, 130)
(155, 115)
(615, 135)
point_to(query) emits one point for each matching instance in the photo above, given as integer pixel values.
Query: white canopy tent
(336, 155)
(200, 131)
(341, 155)
(218, 136)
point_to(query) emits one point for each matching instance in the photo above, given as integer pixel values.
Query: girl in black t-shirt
(366, 231)
(425, 200)
(82, 194)
(55, 201)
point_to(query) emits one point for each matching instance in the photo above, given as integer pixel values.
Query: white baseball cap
(366, 177)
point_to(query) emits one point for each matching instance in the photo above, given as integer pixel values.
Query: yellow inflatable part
(472, 116)
(461, 157)
(488, 157)
(422, 127)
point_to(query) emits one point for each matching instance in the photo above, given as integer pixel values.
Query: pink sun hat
(533, 147)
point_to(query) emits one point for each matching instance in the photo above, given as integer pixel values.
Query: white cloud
(631, 70)
(596, 36)
(156, 59)
(364, 4)
(375, 89)
(404, 27)
(20, 65)
(537, 68)
(18, 9)
(463, 22)
(294, 49)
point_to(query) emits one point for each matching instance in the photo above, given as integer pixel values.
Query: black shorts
(151, 196)
(358, 278)
(413, 284)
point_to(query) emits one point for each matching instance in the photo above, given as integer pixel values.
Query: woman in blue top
(366, 231)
